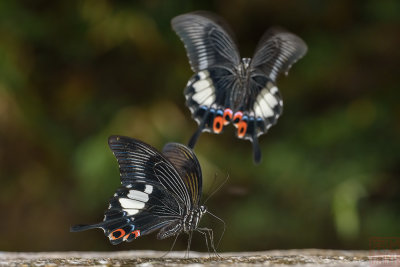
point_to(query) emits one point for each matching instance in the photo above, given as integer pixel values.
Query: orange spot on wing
(242, 128)
(227, 116)
(117, 234)
(218, 124)
(237, 118)
(136, 233)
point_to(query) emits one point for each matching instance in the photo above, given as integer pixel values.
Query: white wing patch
(136, 200)
(266, 102)
(127, 203)
(137, 195)
(148, 189)
(200, 85)
(262, 109)
(203, 74)
(204, 97)
(271, 100)
(204, 91)
(131, 211)
(273, 90)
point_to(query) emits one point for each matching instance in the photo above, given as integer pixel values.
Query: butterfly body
(159, 192)
(227, 88)
(187, 224)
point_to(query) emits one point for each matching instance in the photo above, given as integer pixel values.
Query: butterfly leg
(172, 247)
(211, 236)
(188, 245)
(223, 223)
(205, 237)
(211, 232)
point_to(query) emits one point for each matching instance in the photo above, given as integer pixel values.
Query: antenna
(218, 188)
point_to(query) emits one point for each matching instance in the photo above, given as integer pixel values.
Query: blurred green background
(74, 72)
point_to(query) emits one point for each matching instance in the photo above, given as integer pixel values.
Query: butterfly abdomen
(170, 230)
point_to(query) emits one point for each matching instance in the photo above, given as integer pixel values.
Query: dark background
(74, 72)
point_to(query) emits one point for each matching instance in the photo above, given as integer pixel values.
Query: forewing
(276, 52)
(141, 162)
(188, 167)
(206, 40)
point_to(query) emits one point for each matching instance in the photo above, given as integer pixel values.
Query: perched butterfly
(159, 192)
(226, 88)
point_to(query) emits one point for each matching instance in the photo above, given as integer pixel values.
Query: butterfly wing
(188, 167)
(139, 161)
(152, 195)
(214, 56)
(206, 40)
(276, 52)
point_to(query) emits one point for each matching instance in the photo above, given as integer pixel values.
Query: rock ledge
(308, 257)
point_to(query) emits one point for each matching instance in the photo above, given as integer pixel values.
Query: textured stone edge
(304, 257)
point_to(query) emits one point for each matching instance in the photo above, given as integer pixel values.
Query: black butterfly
(226, 88)
(159, 192)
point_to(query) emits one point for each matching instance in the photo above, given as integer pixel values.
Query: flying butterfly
(227, 89)
(159, 192)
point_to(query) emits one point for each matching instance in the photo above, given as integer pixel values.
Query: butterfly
(159, 192)
(227, 89)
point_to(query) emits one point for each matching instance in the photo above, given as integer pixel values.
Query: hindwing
(188, 166)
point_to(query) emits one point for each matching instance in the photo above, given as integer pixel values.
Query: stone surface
(310, 257)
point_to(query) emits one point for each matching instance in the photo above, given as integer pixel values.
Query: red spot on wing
(227, 116)
(218, 124)
(136, 233)
(237, 118)
(116, 234)
(242, 128)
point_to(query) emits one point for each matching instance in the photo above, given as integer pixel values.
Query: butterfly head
(246, 62)
(202, 210)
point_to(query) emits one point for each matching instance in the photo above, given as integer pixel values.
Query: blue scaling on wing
(226, 89)
(156, 193)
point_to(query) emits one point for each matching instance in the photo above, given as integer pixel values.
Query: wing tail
(195, 137)
(84, 227)
(256, 150)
